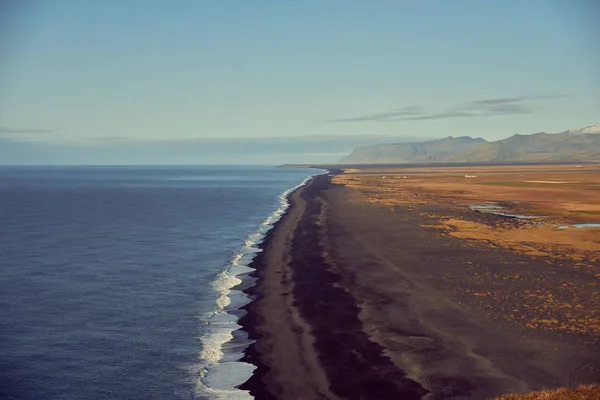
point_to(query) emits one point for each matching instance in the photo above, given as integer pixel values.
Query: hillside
(434, 150)
(581, 144)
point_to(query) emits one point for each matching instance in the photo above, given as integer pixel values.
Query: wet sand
(356, 301)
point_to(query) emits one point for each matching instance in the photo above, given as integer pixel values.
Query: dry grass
(533, 190)
(589, 392)
(575, 200)
(545, 240)
(570, 307)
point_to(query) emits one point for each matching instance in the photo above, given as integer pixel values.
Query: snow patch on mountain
(585, 129)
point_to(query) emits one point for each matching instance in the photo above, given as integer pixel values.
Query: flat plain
(549, 212)
(421, 282)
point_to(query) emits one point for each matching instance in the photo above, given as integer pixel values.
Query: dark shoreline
(251, 319)
(355, 365)
(383, 309)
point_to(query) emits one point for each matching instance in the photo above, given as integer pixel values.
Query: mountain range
(581, 144)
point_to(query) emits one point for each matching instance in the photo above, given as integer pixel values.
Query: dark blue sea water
(115, 282)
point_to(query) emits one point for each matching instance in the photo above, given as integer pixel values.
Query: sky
(82, 76)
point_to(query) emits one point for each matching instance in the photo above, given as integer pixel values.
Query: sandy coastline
(354, 301)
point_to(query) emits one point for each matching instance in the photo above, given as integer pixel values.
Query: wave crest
(220, 371)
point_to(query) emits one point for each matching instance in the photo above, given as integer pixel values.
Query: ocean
(116, 282)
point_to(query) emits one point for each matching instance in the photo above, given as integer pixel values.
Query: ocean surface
(115, 282)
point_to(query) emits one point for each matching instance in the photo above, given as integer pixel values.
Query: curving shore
(354, 301)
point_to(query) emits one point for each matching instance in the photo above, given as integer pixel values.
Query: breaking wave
(223, 343)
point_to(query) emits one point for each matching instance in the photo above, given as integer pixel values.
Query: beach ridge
(284, 354)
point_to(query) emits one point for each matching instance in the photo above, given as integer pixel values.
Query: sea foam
(220, 371)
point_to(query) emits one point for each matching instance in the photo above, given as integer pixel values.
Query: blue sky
(89, 72)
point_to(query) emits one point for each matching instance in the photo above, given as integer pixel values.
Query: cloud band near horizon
(477, 108)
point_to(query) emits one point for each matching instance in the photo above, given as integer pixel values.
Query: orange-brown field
(387, 284)
(557, 196)
(588, 392)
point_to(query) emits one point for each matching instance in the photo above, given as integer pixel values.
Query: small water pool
(589, 225)
(517, 216)
(486, 207)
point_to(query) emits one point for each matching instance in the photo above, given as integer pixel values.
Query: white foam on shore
(217, 375)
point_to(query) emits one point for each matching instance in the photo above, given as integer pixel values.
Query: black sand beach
(355, 301)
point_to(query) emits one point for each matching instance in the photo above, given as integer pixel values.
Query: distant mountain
(573, 145)
(537, 147)
(431, 151)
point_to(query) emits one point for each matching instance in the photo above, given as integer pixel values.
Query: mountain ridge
(580, 144)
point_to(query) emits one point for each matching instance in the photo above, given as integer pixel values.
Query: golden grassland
(588, 392)
(558, 195)
(543, 240)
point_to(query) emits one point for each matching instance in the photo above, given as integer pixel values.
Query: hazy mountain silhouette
(581, 144)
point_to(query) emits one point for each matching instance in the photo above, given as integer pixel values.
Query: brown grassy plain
(588, 392)
(556, 195)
